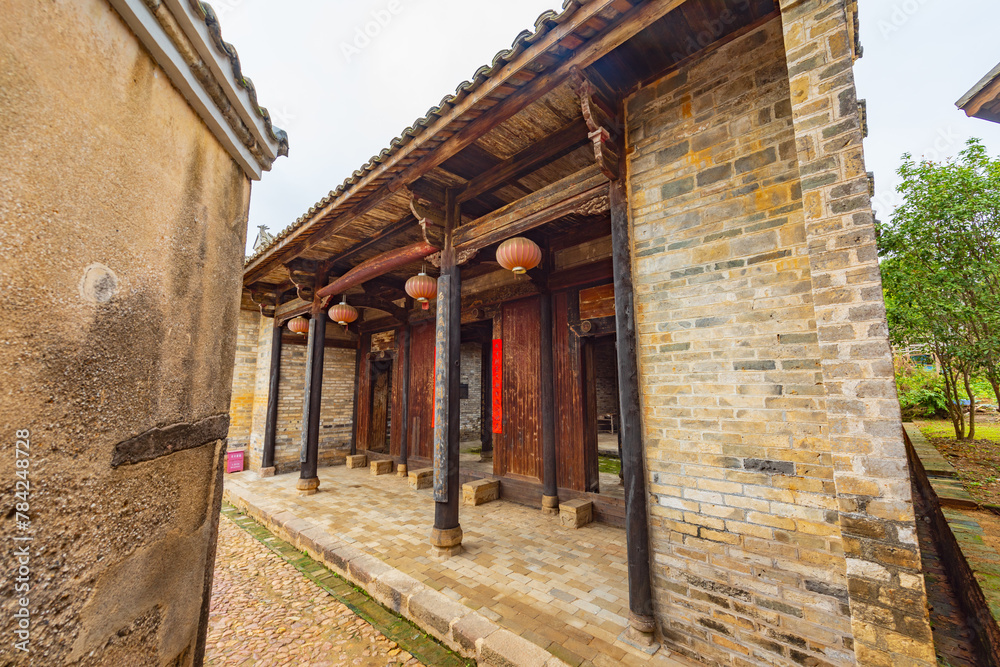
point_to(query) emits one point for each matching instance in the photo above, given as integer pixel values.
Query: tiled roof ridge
(205, 10)
(545, 22)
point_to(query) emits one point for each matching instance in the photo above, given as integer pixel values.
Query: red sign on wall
(498, 386)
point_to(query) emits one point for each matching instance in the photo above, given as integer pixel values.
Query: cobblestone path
(273, 606)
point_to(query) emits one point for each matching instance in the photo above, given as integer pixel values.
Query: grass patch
(944, 429)
(609, 465)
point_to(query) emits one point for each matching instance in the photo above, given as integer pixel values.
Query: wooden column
(446, 537)
(271, 424)
(640, 594)
(486, 403)
(404, 397)
(550, 491)
(357, 398)
(308, 480)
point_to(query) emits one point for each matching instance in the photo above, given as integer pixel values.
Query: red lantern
(299, 325)
(519, 255)
(423, 288)
(343, 314)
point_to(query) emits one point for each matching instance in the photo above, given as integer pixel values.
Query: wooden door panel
(521, 448)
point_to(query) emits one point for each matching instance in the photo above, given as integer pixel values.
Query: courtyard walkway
(562, 589)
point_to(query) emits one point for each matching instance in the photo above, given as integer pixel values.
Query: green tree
(940, 263)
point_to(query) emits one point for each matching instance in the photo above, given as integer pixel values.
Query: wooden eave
(525, 100)
(983, 101)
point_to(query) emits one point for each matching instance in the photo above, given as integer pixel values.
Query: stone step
(576, 513)
(357, 461)
(383, 467)
(480, 491)
(422, 478)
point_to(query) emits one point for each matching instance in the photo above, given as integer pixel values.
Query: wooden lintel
(550, 203)
(335, 343)
(377, 266)
(536, 155)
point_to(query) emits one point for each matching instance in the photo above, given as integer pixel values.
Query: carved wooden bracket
(266, 299)
(604, 128)
(463, 257)
(431, 220)
(303, 275)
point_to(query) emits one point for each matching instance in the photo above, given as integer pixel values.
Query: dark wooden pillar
(640, 594)
(486, 404)
(404, 397)
(550, 491)
(308, 480)
(357, 397)
(271, 425)
(446, 537)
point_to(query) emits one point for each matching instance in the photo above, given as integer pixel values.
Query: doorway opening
(602, 414)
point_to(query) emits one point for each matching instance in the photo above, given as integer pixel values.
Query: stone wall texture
(782, 528)
(124, 220)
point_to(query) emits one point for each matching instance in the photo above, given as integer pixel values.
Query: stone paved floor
(266, 612)
(563, 589)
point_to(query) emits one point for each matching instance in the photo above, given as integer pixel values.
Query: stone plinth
(357, 461)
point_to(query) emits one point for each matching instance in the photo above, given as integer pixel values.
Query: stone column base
(267, 472)
(357, 461)
(550, 504)
(401, 470)
(446, 542)
(307, 487)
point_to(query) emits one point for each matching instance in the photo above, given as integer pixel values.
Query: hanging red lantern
(343, 314)
(299, 325)
(423, 288)
(519, 255)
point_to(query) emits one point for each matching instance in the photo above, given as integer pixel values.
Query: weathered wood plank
(551, 202)
(597, 302)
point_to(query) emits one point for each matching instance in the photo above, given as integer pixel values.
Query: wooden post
(641, 620)
(271, 425)
(486, 403)
(404, 397)
(308, 480)
(446, 537)
(357, 398)
(550, 491)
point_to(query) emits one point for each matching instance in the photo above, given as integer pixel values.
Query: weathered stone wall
(244, 380)
(122, 237)
(742, 443)
(472, 376)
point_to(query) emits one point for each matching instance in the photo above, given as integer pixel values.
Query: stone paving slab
(554, 592)
(272, 605)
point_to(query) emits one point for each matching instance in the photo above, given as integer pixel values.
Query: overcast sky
(343, 96)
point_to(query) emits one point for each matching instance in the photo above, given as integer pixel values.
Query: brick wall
(606, 378)
(244, 380)
(746, 523)
(472, 376)
(337, 403)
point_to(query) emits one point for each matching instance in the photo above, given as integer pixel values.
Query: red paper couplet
(498, 386)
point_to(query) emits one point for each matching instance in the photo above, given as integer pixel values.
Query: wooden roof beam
(611, 38)
(535, 156)
(550, 203)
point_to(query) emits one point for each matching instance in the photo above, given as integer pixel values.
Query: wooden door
(421, 391)
(381, 381)
(518, 450)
